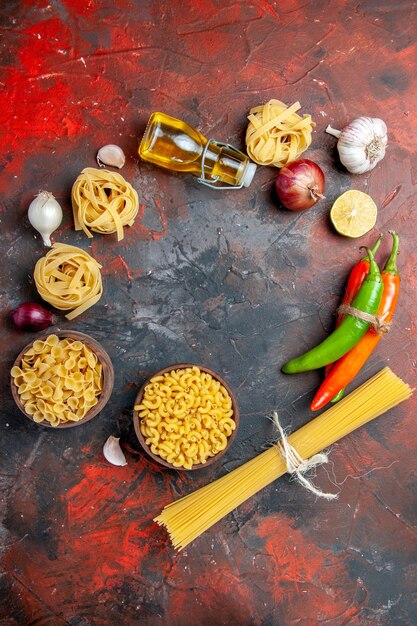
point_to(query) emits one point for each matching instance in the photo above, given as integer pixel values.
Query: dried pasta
(186, 416)
(190, 516)
(103, 202)
(276, 135)
(68, 278)
(58, 380)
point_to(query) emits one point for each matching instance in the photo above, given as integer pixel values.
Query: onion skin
(300, 185)
(32, 316)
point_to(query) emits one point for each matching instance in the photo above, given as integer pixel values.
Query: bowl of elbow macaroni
(186, 416)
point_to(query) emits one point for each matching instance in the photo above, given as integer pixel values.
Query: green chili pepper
(350, 331)
(338, 396)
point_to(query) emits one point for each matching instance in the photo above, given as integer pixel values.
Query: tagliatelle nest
(104, 202)
(68, 278)
(276, 135)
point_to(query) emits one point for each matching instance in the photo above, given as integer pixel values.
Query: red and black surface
(227, 279)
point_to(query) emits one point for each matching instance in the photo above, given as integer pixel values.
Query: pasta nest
(276, 135)
(68, 278)
(104, 202)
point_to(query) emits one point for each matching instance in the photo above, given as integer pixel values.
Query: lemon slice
(353, 214)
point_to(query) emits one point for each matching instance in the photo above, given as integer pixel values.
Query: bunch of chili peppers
(346, 350)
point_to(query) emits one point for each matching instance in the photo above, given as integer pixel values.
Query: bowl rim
(136, 420)
(108, 376)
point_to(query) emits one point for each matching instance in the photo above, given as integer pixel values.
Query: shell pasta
(58, 380)
(186, 416)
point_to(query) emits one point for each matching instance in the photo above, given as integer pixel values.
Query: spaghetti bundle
(276, 134)
(190, 516)
(104, 202)
(68, 278)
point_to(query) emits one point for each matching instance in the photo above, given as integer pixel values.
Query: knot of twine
(296, 465)
(375, 321)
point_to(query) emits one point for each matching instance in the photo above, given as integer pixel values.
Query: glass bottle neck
(222, 163)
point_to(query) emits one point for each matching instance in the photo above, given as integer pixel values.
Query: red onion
(32, 316)
(300, 185)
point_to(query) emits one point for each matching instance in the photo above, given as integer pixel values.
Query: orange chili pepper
(346, 368)
(354, 283)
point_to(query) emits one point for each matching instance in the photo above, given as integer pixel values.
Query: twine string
(376, 321)
(297, 466)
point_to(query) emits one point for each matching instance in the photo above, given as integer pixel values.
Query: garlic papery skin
(361, 144)
(45, 215)
(111, 155)
(113, 453)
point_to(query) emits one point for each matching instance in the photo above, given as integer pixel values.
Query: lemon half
(353, 214)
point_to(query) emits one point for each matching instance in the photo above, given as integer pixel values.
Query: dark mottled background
(227, 279)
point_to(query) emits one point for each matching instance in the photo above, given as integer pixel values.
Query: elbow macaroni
(186, 416)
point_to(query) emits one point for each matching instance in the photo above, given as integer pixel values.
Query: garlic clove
(111, 155)
(113, 453)
(353, 159)
(380, 128)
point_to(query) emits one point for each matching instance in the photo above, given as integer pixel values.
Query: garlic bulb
(113, 453)
(361, 143)
(111, 155)
(45, 215)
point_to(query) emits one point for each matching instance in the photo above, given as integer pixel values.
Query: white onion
(45, 215)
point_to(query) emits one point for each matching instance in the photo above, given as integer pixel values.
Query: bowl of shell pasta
(62, 379)
(186, 416)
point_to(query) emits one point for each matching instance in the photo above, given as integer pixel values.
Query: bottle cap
(248, 174)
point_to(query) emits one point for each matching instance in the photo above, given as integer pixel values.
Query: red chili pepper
(356, 278)
(354, 283)
(346, 368)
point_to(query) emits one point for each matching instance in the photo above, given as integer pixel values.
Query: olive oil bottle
(173, 144)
